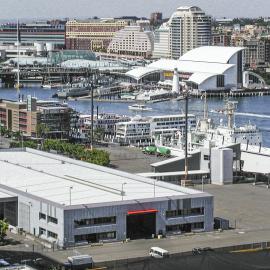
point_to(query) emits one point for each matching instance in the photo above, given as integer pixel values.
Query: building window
(95, 237)
(42, 231)
(220, 81)
(198, 225)
(42, 216)
(52, 234)
(187, 227)
(95, 221)
(52, 220)
(185, 212)
(206, 157)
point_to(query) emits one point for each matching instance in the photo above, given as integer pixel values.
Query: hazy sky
(111, 8)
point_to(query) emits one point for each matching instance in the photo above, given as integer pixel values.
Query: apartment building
(94, 35)
(29, 116)
(134, 40)
(190, 28)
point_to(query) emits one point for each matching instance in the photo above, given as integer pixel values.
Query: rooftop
(54, 177)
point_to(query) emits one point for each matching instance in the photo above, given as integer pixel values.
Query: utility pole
(92, 117)
(186, 135)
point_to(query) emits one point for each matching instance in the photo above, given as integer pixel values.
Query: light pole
(156, 180)
(92, 116)
(203, 178)
(30, 205)
(186, 136)
(70, 188)
(122, 190)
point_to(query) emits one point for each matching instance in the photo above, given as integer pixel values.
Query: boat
(220, 135)
(139, 107)
(75, 90)
(51, 85)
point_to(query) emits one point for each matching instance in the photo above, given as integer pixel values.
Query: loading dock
(141, 224)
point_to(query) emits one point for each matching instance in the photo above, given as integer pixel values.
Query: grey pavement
(131, 159)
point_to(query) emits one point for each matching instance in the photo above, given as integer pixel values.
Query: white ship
(139, 107)
(218, 135)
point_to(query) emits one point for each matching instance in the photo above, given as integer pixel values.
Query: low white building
(135, 40)
(208, 68)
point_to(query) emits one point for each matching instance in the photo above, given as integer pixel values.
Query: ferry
(139, 107)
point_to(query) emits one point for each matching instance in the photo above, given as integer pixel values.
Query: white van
(159, 253)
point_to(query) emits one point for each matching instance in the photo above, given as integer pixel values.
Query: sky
(12, 9)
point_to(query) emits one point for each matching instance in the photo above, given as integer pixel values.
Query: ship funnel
(175, 86)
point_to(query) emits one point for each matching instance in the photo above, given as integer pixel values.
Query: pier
(228, 93)
(64, 75)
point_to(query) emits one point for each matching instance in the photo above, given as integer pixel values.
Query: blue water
(256, 105)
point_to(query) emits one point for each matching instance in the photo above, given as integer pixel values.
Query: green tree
(99, 134)
(42, 130)
(3, 229)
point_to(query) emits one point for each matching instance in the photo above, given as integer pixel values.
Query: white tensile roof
(203, 63)
(211, 54)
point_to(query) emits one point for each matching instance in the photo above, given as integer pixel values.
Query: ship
(219, 134)
(75, 90)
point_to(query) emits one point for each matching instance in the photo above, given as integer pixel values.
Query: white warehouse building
(207, 68)
(71, 202)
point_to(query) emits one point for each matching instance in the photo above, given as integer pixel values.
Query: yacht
(139, 107)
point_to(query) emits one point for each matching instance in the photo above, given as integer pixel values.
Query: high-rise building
(134, 40)
(94, 35)
(156, 18)
(162, 42)
(190, 28)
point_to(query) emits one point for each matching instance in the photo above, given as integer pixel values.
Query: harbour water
(255, 109)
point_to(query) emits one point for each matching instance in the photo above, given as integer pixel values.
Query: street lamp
(122, 190)
(156, 180)
(30, 205)
(70, 188)
(203, 178)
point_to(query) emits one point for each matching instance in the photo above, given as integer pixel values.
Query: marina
(247, 108)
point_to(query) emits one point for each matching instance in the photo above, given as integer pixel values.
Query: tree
(42, 130)
(99, 134)
(3, 229)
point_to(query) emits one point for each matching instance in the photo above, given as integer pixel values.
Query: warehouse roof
(54, 178)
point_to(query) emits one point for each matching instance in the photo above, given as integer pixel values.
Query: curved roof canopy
(190, 66)
(211, 54)
(138, 73)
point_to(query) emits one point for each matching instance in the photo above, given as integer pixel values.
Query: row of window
(188, 227)
(95, 221)
(42, 231)
(185, 212)
(95, 237)
(42, 216)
